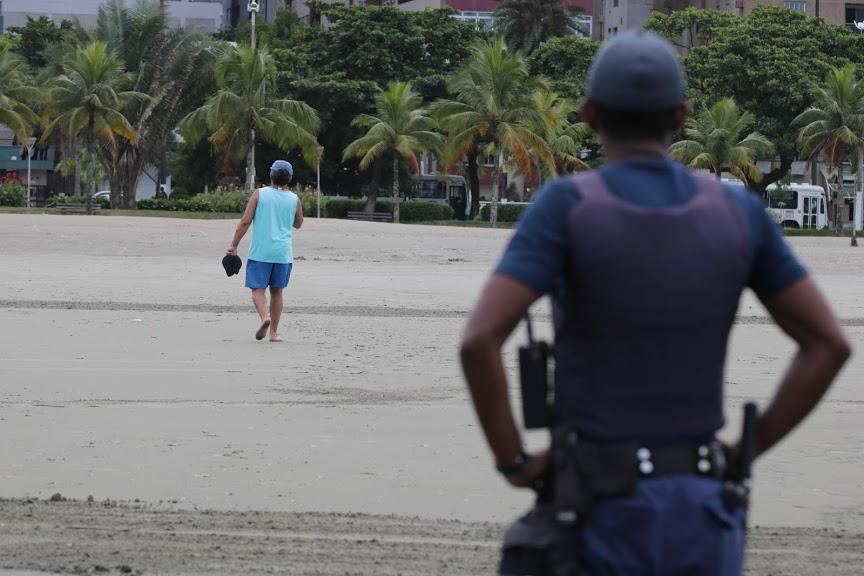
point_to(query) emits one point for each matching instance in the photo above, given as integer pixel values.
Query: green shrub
(506, 212)
(340, 208)
(13, 194)
(309, 202)
(424, 212)
(103, 203)
(232, 203)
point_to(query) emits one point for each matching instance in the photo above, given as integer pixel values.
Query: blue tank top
(272, 226)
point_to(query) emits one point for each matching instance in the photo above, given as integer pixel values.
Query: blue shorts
(263, 274)
(673, 525)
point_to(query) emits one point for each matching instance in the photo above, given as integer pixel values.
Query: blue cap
(282, 166)
(637, 71)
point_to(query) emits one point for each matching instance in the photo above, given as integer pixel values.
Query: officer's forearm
(804, 384)
(803, 313)
(484, 372)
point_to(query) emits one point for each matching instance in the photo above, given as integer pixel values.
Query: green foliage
(17, 96)
(34, 38)
(52, 202)
(13, 194)
(564, 62)
(415, 211)
(506, 212)
(223, 203)
(340, 208)
(411, 211)
(689, 27)
(716, 141)
(309, 201)
(246, 100)
(834, 125)
(525, 24)
(767, 62)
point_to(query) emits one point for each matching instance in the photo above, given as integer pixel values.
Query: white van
(798, 206)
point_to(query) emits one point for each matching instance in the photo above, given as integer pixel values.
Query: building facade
(207, 15)
(614, 16)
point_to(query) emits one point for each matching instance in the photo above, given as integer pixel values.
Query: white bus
(798, 206)
(452, 190)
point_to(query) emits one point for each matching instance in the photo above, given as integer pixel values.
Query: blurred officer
(645, 263)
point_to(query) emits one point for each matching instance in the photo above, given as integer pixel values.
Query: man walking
(645, 263)
(272, 211)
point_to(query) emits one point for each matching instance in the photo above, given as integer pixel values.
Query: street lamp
(29, 155)
(253, 8)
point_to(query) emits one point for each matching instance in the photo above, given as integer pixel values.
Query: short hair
(280, 177)
(636, 124)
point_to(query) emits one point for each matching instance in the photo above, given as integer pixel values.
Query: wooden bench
(371, 216)
(64, 208)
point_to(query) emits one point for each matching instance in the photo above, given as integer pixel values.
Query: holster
(582, 473)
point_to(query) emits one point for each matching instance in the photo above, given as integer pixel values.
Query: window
(783, 199)
(798, 5)
(480, 19)
(614, 3)
(854, 13)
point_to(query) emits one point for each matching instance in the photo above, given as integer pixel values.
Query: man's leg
(259, 298)
(257, 277)
(275, 313)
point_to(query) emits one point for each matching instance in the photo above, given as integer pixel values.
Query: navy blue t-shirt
(538, 251)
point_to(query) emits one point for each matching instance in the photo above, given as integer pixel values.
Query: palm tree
(525, 24)
(495, 111)
(566, 138)
(88, 100)
(834, 125)
(173, 65)
(716, 141)
(17, 93)
(245, 105)
(400, 127)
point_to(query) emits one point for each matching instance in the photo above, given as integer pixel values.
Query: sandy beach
(130, 375)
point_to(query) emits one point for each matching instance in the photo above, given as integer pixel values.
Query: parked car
(103, 195)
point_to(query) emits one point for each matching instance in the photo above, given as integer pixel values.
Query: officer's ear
(589, 115)
(681, 114)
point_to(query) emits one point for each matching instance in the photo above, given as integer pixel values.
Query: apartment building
(207, 15)
(614, 16)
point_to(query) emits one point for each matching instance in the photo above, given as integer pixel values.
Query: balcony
(10, 159)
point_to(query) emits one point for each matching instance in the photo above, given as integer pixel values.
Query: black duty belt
(703, 459)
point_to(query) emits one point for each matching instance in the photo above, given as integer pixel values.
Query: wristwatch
(515, 466)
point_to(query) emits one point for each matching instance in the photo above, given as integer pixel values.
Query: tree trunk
(91, 165)
(91, 183)
(474, 182)
(375, 185)
(774, 175)
(496, 184)
(76, 153)
(250, 164)
(859, 178)
(836, 199)
(396, 188)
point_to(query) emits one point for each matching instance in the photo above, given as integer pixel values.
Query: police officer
(645, 263)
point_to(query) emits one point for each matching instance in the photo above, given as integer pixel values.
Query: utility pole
(253, 8)
(29, 156)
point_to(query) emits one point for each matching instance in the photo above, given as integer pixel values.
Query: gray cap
(637, 71)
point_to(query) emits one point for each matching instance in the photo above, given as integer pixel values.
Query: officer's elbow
(840, 348)
(475, 345)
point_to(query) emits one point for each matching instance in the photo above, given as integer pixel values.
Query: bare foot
(275, 337)
(262, 330)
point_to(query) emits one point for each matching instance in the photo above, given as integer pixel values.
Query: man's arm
(502, 305)
(245, 222)
(803, 314)
(298, 215)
